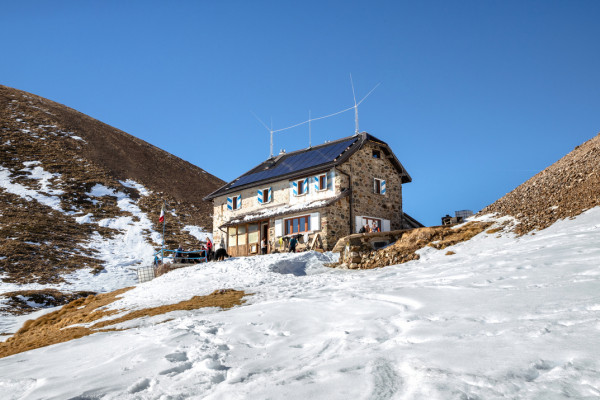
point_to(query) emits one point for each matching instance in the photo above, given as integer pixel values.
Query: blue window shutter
(316, 183)
(259, 195)
(270, 195)
(382, 187)
(305, 185)
(230, 203)
(239, 201)
(295, 188)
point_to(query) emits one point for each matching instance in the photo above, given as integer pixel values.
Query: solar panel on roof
(297, 162)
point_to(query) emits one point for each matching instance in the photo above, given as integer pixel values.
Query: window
(232, 232)
(322, 184)
(300, 187)
(373, 222)
(253, 233)
(264, 195)
(297, 225)
(379, 186)
(235, 202)
(241, 235)
(376, 154)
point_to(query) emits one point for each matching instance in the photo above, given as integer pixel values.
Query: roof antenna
(355, 106)
(309, 141)
(271, 130)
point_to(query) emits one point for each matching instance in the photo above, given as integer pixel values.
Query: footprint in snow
(176, 357)
(385, 380)
(177, 369)
(140, 385)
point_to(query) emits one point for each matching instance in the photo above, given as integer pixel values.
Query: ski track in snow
(502, 318)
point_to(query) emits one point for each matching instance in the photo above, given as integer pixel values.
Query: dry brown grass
(450, 253)
(450, 237)
(405, 248)
(57, 327)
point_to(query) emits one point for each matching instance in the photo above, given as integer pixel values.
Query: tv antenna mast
(354, 107)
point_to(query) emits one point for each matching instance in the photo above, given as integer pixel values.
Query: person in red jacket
(209, 249)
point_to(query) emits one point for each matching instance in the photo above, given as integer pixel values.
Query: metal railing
(192, 256)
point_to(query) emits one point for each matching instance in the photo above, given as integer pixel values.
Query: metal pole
(162, 250)
(309, 132)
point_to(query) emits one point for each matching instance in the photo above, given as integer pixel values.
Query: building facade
(319, 194)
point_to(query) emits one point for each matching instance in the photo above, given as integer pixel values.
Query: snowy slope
(131, 247)
(503, 317)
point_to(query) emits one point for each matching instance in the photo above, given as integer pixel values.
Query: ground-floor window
(297, 224)
(373, 223)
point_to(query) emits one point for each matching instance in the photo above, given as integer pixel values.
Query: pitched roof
(305, 162)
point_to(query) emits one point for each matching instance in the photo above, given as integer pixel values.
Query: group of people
(368, 229)
(195, 256)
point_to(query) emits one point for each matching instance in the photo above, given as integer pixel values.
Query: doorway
(264, 233)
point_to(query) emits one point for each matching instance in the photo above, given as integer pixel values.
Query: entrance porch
(245, 239)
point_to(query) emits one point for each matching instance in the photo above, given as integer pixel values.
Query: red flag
(162, 214)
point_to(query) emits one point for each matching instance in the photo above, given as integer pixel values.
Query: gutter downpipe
(351, 195)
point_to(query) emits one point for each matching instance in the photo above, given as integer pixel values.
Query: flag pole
(162, 251)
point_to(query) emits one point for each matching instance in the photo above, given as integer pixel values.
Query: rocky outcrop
(563, 190)
(359, 254)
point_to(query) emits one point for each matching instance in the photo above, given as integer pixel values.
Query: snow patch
(130, 183)
(29, 194)
(85, 219)
(198, 232)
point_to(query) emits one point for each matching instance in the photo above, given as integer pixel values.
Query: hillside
(73, 189)
(563, 190)
(504, 317)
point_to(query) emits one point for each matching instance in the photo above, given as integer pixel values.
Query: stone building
(320, 194)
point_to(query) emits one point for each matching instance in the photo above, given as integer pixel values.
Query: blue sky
(475, 97)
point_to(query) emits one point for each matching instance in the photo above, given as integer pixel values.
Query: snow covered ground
(502, 318)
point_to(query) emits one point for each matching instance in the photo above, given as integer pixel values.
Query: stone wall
(364, 168)
(335, 222)
(282, 195)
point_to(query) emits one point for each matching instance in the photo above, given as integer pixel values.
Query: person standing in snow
(263, 246)
(209, 249)
(293, 244)
(179, 254)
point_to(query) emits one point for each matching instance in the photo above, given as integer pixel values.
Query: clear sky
(475, 96)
